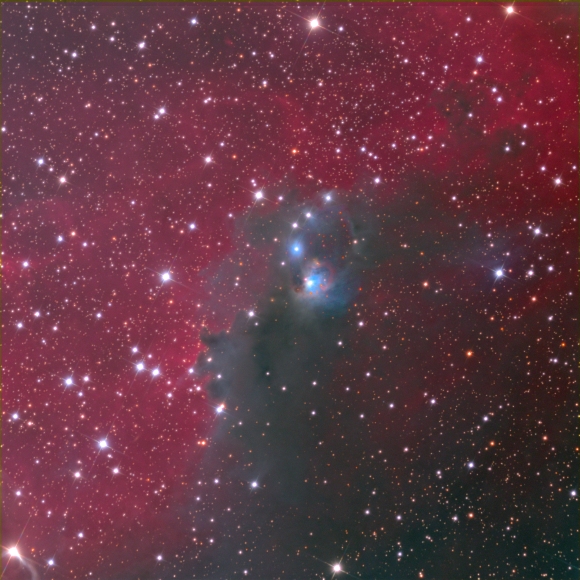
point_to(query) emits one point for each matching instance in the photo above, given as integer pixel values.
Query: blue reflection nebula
(318, 280)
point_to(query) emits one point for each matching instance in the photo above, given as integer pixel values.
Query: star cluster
(290, 291)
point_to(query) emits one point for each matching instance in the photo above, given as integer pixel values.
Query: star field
(290, 291)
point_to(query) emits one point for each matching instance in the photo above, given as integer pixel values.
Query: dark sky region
(290, 291)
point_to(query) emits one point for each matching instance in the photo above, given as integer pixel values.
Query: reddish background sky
(446, 134)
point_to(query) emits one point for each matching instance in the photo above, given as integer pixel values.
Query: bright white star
(314, 23)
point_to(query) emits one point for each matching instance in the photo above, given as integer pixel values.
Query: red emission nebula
(289, 291)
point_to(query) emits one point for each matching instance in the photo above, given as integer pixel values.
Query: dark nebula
(290, 291)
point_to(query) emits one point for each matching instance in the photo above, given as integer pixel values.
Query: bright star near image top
(314, 23)
(166, 276)
(103, 443)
